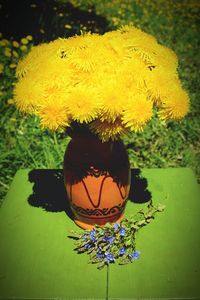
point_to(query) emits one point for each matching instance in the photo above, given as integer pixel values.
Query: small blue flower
(99, 255)
(122, 231)
(88, 246)
(92, 235)
(84, 236)
(135, 255)
(116, 226)
(122, 251)
(110, 239)
(109, 257)
(93, 232)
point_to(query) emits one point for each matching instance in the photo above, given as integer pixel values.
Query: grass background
(174, 23)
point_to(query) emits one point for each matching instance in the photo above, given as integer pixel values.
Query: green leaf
(101, 265)
(161, 207)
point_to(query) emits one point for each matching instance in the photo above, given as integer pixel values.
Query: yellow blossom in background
(7, 53)
(10, 101)
(1, 68)
(68, 26)
(4, 42)
(15, 44)
(111, 82)
(12, 66)
(23, 47)
(15, 54)
(29, 37)
(24, 41)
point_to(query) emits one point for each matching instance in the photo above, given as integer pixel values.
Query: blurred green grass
(176, 25)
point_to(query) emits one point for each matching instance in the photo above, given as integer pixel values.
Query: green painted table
(37, 260)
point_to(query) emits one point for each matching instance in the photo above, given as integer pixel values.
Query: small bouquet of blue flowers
(114, 242)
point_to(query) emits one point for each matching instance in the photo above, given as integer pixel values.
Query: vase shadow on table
(139, 192)
(49, 191)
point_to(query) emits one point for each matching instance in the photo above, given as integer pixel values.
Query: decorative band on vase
(98, 213)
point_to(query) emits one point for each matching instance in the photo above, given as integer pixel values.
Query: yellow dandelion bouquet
(102, 86)
(110, 82)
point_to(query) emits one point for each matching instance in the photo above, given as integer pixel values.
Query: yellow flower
(12, 66)
(1, 68)
(108, 130)
(23, 47)
(15, 54)
(4, 42)
(10, 101)
(24, 41)
(108, 81)
(83, 104)
(137, 112)
(175, 105)
(135, 37)
(68, 26)
(33, 60)
(166, 57)
(158, 81)
(7, 53)
(27, 94)
(83, 41)
(53, 115)
(113, 100)
(84, 59)
(15, 44)
(29, 37)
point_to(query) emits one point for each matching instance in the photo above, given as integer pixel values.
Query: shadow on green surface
(139, 192)
(49, 192)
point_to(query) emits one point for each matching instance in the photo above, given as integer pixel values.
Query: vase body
(97, 180)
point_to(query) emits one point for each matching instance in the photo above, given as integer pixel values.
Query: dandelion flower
(158, 81)
(27, 94)
(113, 100)
(81, 104)
(84, 59)
(53, 115)
(15, 44)
(166, 57)
(29, 37)
(137, 112)
(32, 61)
(108, 130)
(24, 41)
(175, 105)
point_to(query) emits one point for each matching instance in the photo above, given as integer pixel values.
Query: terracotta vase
(97, 180)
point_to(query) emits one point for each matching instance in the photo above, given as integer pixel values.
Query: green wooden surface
(36, 257)
(37, 260)
(169, 265)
